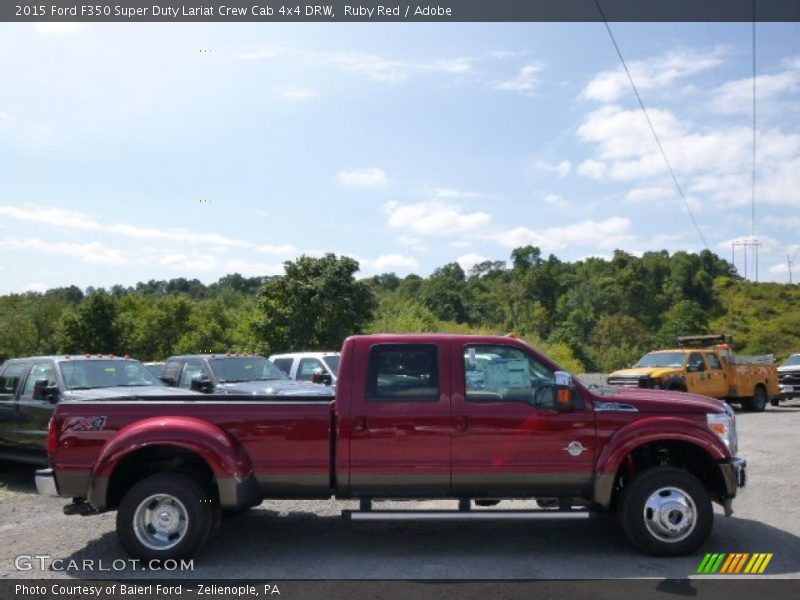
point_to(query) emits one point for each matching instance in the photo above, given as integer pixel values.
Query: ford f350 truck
(472, 418)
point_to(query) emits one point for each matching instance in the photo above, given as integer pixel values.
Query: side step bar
(444, 515)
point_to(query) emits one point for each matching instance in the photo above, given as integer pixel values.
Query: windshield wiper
(89, 387)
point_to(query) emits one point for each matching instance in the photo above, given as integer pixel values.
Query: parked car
(316, 367)
(789, 377)
(156, 368)
(31, 387)
(408, 421)
(233, 374)
(706, 365)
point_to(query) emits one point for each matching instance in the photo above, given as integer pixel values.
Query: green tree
(684, 318)
(314, 306)
(92, 327)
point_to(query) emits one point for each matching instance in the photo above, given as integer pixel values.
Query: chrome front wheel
(670, 514)
(160, 522)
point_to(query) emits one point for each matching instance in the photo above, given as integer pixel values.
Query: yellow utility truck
(705, 364)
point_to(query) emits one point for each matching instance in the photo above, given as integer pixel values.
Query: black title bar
(387, 10)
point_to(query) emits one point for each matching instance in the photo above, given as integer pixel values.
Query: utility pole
(749, 246)
(789, 264)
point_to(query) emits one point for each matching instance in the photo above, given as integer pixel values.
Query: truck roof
(428, 337)
(214, 355)
(66, 357)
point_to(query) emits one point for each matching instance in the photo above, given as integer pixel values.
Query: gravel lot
(308, 539)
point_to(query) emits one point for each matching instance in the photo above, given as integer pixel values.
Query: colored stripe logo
(735, 563)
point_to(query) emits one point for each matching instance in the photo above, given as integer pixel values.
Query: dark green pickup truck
(31, 387)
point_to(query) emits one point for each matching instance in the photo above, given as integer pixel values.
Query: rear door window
(403, 373)
(10, 378)
(713, 361)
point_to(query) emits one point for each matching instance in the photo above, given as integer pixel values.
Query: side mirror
(39, 387)
(202, 384)
(563, 389)
(323, 378)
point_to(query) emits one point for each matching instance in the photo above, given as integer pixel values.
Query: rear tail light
(52, 438)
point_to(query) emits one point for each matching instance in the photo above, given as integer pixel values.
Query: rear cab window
(403, 373)
(284, 364)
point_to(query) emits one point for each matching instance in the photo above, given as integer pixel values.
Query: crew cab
(706, 365)
(475, 419)
(234, 374)
(316, 367)
(31, 387)
(789, 378)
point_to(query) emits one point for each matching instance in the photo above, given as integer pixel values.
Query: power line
(753, 199)
(650, 124)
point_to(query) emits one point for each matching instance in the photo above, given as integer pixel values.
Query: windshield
(333, 363)
(90, 374)
(792, 361)
(244, 368)
(662, 359)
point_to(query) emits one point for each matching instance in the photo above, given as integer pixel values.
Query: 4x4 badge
(575, 448)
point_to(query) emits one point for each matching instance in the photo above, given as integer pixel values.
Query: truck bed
(287, 440)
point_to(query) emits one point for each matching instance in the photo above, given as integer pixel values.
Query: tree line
(590, 315)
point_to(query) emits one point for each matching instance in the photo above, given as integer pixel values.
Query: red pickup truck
(472, 418)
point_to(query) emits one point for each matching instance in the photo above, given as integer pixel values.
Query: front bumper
(789, 391)
(734, 473)
(46, 482)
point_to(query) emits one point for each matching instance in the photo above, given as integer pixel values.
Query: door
(512, 437)
(399, 422)
(34, 412)
(717, 377)
(11, 376)
(697, 379)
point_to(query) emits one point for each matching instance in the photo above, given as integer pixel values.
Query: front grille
(790, 378)
(624, 381)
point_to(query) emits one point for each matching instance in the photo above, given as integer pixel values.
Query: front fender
(648, 430)
(225, 457)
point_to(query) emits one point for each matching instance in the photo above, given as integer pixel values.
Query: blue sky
(128, 154)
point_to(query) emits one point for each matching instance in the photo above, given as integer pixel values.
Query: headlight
(724, 425)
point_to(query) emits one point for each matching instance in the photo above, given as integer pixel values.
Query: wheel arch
(180, 444)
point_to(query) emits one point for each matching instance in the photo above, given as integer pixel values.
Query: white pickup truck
(316, 367)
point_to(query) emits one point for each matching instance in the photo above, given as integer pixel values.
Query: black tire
(188, 498)
(774, 402)
(758, 402)
(679, 489)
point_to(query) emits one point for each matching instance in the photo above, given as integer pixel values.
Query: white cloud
(294, 92)
(737, 96)
(262, 54)
(76, 220)
(388, 70)
(281, 249)
(183, 262)
(555, 200)
(650, 194)
(609, 233)
(651, 73)
(90, 252)
(434, 217)
(40, 288)
(524, 81)
(451, 193)
(592, 168)
(249, 268)
(412, 242)
(561, 168)
(370, 177)
(390, 262)
(468, 261)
